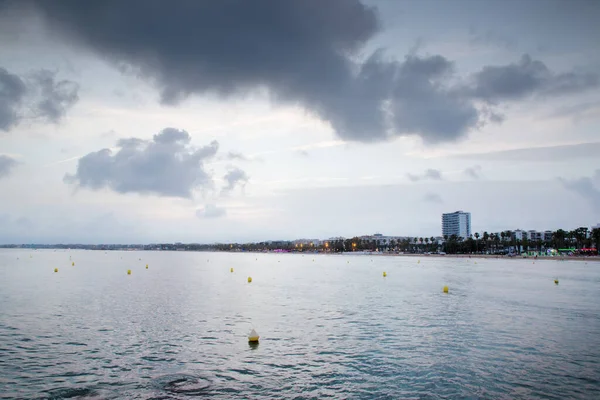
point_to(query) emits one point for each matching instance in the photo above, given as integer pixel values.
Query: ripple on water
(70, 393)
(185, 384)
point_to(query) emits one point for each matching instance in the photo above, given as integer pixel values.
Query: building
(534, 236)
(518, 234)
(457, 223)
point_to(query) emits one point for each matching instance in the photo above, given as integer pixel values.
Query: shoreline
(500, 257)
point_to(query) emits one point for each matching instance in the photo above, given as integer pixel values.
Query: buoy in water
(384, 274)
(253, 336)
(230, 269)
(128, 272)
(249, 279)
(556, 281)
(73, 264)
(146, 266)
(55, 269)
(419, 262)
(445, 289)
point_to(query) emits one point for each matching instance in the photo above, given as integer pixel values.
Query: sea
(330, 326)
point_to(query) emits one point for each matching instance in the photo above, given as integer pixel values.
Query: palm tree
(486, 237)
(596, 237)
(477, 242)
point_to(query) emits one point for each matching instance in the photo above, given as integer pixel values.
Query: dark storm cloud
(473, 172)
(525, 78)
(211, 211)
(6, 165)
(303, 52)
(12, 93)
(40, 96)
(423, 103)
(433, 174)
(586, 187)
(166, 166)
(234, 177)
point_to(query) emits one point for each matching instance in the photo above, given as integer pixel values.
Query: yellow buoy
(253, 337)
(419, 262)
(249, 279)
(146, 266)
(55, 269)
(445, 289)
(475, 262)
(230, 269)
(384, 274)
(128, 272)
(73, 264)
(556, 281)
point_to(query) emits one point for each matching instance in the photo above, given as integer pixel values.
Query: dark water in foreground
(328, 328)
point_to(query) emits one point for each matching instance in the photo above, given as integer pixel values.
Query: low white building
(518, 234)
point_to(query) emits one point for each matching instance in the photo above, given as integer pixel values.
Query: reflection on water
(328, 328)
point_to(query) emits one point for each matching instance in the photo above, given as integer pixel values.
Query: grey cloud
(491, 37)
(7, 164)
(40, 96)
(433, 198)
(525, 78)
(56, 97)
(234, 177)
(167, 165)
(12, 93)
(211, 211)
(586, 187)
(473, 172)
(232, 155)
(304, 52)
(432, 174)
(423, 102)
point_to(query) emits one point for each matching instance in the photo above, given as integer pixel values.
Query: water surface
(333, 327)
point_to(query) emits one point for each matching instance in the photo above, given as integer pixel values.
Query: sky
(201, 121)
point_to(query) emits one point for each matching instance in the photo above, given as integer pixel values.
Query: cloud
(433, 198)
(234, 177)
(39, 96)
(12, 93)
(232, 155)
(473, 172)
(211, 211)
(7, 164)
(56, 97)
(586, 187)
(539, 154)
(433, 174)
(424, 103)
(492, 38)
(167, 165)
(526, 78)
(309, 53)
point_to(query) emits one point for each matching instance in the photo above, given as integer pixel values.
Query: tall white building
(457, 223)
